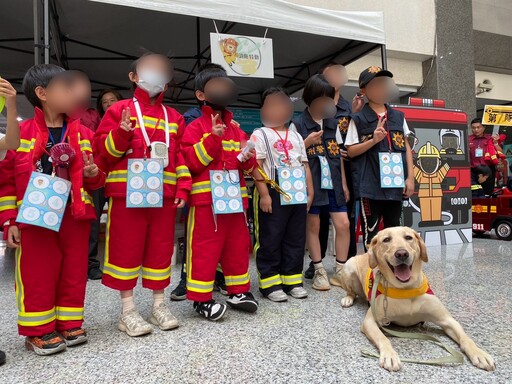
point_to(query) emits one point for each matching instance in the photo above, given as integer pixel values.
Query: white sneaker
(277, 296)
(320, 281)
(133, 324)
(298, 293)
(337, 278)
(162, 317)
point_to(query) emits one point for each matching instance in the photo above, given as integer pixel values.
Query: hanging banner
(243, 56)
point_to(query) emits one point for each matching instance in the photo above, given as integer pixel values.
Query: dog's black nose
(402, 254)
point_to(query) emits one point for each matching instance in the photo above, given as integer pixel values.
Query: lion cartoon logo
(229, 50)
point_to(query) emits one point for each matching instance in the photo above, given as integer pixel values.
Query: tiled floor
(308, 341)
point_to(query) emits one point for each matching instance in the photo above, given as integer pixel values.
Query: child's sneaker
(133, 324)
(320, 281)
(277, 296)
(162, 317)
(220, 285)
(180, 292)
(45, 345)
(298, 293)
(243, 301)
(210, 309)
(74, 336)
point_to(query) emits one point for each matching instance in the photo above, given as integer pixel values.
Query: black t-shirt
(44, 165)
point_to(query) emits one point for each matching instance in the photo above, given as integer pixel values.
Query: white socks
(158, 298)
(318, 265)
(127, 304)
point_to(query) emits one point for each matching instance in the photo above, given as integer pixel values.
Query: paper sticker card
(391, 170)
(292, 180)
(44, 201)
(326, 178)
(145, 183)
(226, 192)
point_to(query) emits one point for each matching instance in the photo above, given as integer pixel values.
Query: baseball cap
(370, 73)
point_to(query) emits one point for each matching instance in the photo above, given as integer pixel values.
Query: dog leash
(454, 356)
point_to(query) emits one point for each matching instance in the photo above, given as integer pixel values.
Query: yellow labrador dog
(398, 253)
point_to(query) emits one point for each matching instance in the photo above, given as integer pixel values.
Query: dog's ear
(423, 247)
(372, 248)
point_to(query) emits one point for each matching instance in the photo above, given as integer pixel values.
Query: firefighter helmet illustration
(430, 174)
(450, 140)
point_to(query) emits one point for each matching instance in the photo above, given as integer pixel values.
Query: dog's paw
(389, 360)
(347, 301)
(482, 360)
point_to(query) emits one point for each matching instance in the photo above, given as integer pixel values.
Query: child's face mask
(152, 82)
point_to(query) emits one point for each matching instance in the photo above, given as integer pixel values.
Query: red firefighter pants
(216, 239)
(139, 240)
(51, 275)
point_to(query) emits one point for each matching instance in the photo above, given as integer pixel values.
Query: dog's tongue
(402, 272)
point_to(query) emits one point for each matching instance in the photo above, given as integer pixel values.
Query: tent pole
(46, 25)
(384, 56)
(37, 53)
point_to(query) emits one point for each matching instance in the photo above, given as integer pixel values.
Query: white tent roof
(362, 26)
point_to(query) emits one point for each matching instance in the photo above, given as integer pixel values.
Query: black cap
(371, 73)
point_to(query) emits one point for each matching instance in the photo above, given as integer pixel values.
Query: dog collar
(396, 293)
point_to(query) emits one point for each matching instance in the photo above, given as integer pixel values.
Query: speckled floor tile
(301, 341)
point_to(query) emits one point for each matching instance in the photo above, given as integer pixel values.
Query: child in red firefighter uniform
(142, 239)
(51, 267)
(213, 143)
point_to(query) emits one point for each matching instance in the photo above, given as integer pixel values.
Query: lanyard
(62, 134)
(284, 142)
(143, 126)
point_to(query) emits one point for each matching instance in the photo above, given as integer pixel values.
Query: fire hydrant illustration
(430, 174)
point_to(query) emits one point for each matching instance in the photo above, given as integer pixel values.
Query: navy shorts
(333, 206)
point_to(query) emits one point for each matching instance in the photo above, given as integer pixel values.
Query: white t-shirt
(353, 137)
(294, 145)
(3, 152)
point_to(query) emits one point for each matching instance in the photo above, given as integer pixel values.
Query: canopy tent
(102, 37)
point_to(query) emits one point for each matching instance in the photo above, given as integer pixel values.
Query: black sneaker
(210, 309)
(95, 274)
(243, 301)
(2, 357)
(220, 285)
(180, 292)
(310, 272)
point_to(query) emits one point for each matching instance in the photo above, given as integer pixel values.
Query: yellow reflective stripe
(169, 178)
(476, 187)
(150, 122)
(244, 192)
(237, 279)
(33, 319)
(156, 274)
(69, 313)
(199, 286)
(85, 145)
(230, 145)
(201, 154)
(292, 279)
(26, 145)
(20, 289)
(182, 171)
(200, 187)
(117, 176)
(7, 202)
(111, 147)
(270, 281)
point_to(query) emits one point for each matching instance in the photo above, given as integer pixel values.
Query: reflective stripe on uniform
(169, 178)
(230, 145)
(34, 319)
(111, 147)
(117, 176)
(20, 289)
(292, 279)
(270, 281)
(182, 171)
(7, 202)
(201, 154)
(26, 145)
(150, 122)
(200, 187)
(85, 145)
(156, 274)
(199, 286)
(69, 313)
(237, 279)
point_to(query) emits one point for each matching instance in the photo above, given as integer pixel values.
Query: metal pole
(37, 37)
(46, 32)
(384, 56)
